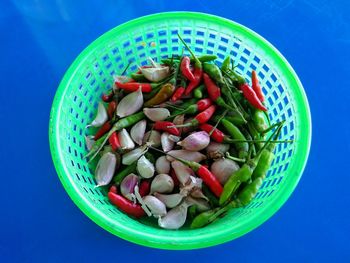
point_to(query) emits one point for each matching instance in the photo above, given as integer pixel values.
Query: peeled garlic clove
(201, 204)
(153, 137)
(138, 131)
(155, 74)
(182, 171)
(156, 206)
(127, 186)
(162, 165)
(162, 183)
(130, 157)
(195, 141)
(223, 169)
(89, 142)
(101, 116)
(156, 114)
(167, 144)
(144, 167)
(130, 104)
(125, 140)
(171, 200)
(175, 218)
(105, 169)
(186, 155)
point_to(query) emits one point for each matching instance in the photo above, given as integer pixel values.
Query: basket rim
(210, 239)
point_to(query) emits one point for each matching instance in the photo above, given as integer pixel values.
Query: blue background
(39, 40)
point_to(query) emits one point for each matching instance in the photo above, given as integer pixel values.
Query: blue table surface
(39, 222)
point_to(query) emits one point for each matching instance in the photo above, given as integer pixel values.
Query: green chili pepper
(138, 77)
(184, 105)
(210, 216)
(118, 178)
(192, 211)
(255, 135)
(205, 218)
(244, 174)
(164, 94)
(214, 72)
(266, 158)
(198, 92)
(213, 200)
(258, 118)
(238, 177)
(226, 64)
(235, 133)
(247, 194)
(251, 145)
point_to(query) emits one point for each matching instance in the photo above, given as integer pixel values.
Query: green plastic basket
(91, 74)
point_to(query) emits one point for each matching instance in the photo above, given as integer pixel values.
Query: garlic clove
(162, 183)
(175, 218)
(179, 120)
(130, 157)
(137, 131)
(156, 114)
(101, 116)
(125, 140)
(223, 169)
(182, 171)
(130, 104)
(105, 169)
(162, 165)
(171, 200)
(201, 204)
(153, 137)
(144, 167)
(127, 186)
(186, 155)
(89, 142)
(155, 74)
(196, 141)
(167, 144)
(156, 206)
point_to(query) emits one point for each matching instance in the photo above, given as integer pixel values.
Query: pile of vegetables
(182, 140)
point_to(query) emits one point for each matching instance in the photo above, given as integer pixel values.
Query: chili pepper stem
(197, 62)
(228, 156)
(218, 122)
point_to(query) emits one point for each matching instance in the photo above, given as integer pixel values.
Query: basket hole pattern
(135, 48)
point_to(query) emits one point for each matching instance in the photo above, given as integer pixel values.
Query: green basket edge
(128, 234)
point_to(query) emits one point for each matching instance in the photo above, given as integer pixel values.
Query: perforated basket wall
(156, 36)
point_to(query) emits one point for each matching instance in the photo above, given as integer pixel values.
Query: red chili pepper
(197, 79)
(185, 68)
(198, 70)
(145, 187)
(166, 126)
(214, 92)
(108, 98)
(125, 205)
(177, 94)
(174, 177)
(205, 115)
(216, 135)
(256, 86)
(103, 130)
(112, 106)
(251, 97)
(210, 180)
(200, 118)
(203, 104)
(114, 141)
(134, 86)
